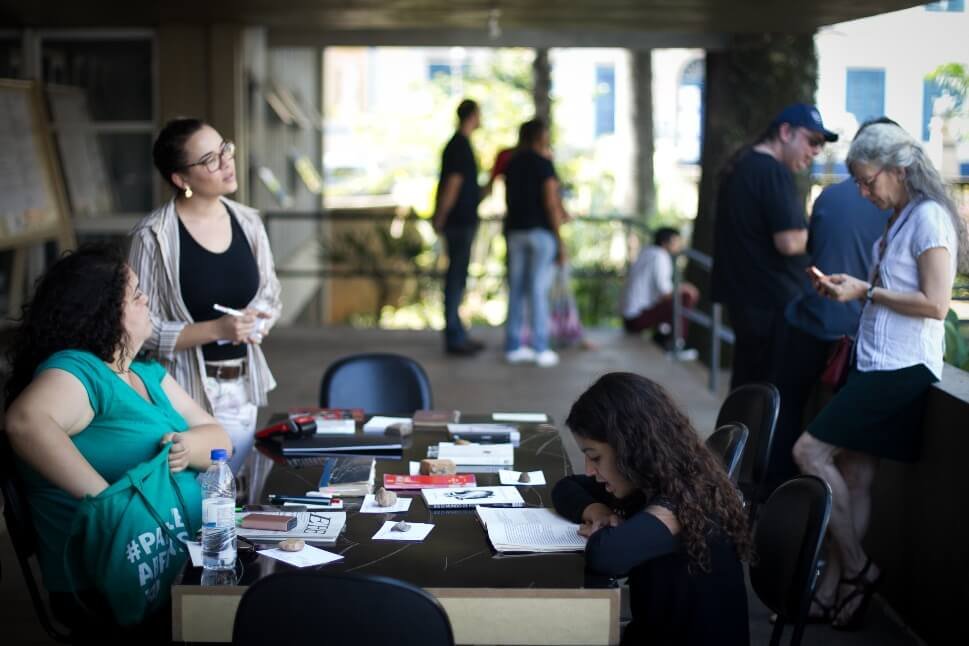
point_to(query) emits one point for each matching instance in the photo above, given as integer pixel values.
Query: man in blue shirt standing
(842, 233)
(456, 216)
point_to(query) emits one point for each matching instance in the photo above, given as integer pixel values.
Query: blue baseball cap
(804, 115)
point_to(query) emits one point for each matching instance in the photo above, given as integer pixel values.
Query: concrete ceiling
(655, 16)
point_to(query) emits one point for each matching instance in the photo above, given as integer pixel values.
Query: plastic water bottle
(218, 514)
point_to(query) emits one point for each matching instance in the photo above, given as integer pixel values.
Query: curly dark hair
(658, 451)
(78, 304)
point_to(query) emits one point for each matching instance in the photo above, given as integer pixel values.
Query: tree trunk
(746, 85)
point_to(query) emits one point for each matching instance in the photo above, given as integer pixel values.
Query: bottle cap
(219, 454)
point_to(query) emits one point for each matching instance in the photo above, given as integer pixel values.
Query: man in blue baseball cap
(760, 240)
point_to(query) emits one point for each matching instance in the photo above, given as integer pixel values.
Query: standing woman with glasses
(898, 354)
(198, 251)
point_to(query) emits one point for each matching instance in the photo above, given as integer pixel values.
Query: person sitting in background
(82, 411)
(647, 297)
(657, 506)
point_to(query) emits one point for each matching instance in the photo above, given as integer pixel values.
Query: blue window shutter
(930, 92)
(950, 6)
(605, 93)
(865, 93)
(433, 69)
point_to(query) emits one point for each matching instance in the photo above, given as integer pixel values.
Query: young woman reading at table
(658, 507)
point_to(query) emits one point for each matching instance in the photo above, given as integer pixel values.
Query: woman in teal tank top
(82, 411)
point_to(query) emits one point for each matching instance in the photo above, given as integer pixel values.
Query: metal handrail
(718, 332)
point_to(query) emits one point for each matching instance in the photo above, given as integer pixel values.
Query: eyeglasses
(814, 139)
(213, 162)
(869, 184)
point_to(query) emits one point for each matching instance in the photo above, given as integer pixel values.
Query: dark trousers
(459, 256)
(768, 349)
(661, 312)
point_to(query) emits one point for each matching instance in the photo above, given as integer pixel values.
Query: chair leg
(798, 634)
(777, 633)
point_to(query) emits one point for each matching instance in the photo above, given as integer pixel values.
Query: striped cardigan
(154, 256)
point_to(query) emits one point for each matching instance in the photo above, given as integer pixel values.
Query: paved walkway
(298, 357)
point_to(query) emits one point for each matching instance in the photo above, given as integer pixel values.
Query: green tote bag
(128, 541)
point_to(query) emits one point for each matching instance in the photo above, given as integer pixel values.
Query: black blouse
(670, 605)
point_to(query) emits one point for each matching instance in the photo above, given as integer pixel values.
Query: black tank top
(230, 278)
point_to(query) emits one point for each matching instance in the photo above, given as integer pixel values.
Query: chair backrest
(16, 513)
(787, 540)
(303, 607)
(377, 383)
(756, 406)
(727, 443)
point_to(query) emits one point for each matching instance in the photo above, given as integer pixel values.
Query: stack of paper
(477, 454)
(311, 526)
(530, 530)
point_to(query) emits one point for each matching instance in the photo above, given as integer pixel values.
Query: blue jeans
(531, 256)
(459, 256)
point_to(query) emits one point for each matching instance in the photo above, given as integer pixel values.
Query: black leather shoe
(463, 350)
(474, 343)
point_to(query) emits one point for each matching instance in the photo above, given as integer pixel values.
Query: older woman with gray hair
(897, 355)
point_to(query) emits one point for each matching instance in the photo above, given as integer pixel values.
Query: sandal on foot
(864, 588)
(827, 612)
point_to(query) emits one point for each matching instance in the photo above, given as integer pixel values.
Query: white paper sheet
(511, 478)
(414, 468)
(520, 417)
(370, 506)
(417, 532)
(306, 557)
(379, 424)
(195, 552)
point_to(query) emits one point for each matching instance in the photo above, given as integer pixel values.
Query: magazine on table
(348, 475)
(397, 481)
(530, 530)
(312, 526)
(468, 497)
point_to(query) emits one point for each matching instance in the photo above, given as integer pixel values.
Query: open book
(312, 526)
(530, 530)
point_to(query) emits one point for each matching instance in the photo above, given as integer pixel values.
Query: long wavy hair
(889, 146)
(78, 304)
(660, 453)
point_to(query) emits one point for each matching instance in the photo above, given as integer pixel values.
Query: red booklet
(356, 414)
(394, 481)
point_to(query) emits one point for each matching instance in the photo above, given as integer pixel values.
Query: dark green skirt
(878, 413)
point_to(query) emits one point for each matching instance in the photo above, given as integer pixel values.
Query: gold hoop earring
(188, 191)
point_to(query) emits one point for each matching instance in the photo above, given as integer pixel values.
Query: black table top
(457, 553)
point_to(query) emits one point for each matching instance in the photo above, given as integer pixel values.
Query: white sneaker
(547, 358)
(524, 354)
(685, 354)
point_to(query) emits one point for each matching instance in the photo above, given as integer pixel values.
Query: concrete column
(642, 86)
(541, 89)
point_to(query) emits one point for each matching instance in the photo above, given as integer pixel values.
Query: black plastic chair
(23, 537)
(728, 443)
(377, 383)
(787, 540)
(756, 406)
(296, 608)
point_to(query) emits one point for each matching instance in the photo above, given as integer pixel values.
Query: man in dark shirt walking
(456, 216)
